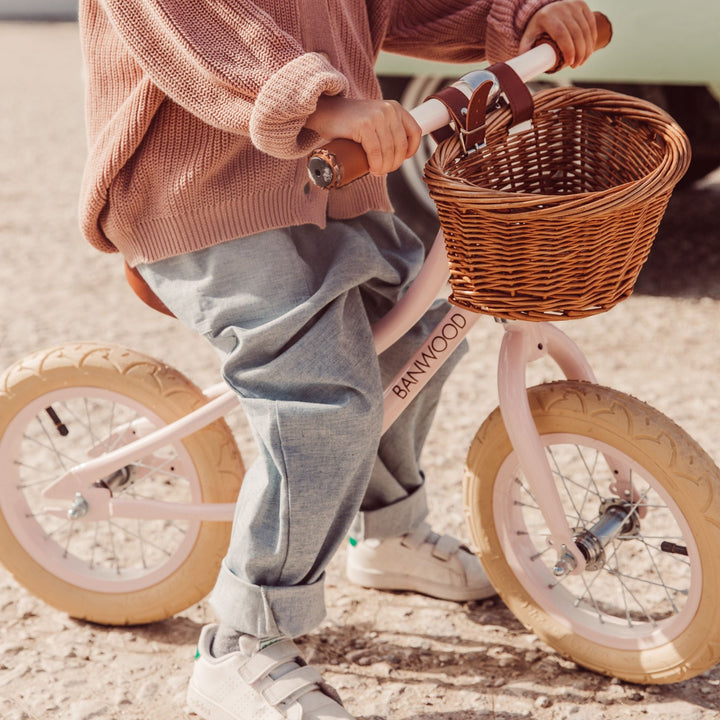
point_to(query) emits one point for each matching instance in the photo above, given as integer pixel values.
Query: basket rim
(663, 177)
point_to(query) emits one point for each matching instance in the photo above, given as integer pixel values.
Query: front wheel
(646, 611)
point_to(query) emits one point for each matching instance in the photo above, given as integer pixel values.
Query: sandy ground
(397, 656)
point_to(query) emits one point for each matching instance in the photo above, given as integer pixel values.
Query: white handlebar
(432, 114)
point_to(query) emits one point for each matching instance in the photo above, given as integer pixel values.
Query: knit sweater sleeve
(231, 65)
(459, 30)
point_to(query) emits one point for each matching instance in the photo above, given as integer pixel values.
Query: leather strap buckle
(468, 115)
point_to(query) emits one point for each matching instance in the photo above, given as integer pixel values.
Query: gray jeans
(290, 313)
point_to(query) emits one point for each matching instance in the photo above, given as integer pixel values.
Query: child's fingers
(413, 134)
(386, 131)
(571, 25)
(390, 137)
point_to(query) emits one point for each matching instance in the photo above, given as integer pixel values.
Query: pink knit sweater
(196, 109)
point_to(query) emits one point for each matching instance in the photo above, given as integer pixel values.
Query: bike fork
(523, 343)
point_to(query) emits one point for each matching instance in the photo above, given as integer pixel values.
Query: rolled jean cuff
(392, 520)
(265, 611)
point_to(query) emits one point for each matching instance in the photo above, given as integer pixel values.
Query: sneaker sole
(379, 580)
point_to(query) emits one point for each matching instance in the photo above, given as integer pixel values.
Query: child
(200, 116)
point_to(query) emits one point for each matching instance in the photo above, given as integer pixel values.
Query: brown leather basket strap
(456, 102)
(475, 121)
(469, 115)
(143, 291)
(517, 93)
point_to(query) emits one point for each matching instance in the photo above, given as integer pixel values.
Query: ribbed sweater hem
(158, 238)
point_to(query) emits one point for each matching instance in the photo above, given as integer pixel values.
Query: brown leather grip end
(338, 163)
(604, 35)
(605, 31)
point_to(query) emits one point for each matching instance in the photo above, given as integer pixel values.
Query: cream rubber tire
(62, 406)
(649, 611)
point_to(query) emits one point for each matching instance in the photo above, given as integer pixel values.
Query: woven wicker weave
(555, 221)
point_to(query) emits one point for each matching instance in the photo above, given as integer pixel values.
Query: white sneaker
(271, 683)
(421, 561)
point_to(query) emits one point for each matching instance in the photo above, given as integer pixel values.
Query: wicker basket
(555, 221)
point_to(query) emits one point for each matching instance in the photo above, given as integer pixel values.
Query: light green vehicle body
(659, 43)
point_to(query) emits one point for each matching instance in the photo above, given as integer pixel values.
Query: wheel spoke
(113, 547)
(138, 536)
(54, 452)
(611, 592)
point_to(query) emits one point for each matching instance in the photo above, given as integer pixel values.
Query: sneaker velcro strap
(446, 547)
(262, 663)
(292, 685)
(421, 534)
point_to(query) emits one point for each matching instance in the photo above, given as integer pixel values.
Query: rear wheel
(64, 406)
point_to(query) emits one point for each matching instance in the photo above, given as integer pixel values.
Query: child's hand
(570, 23)
(387, 132)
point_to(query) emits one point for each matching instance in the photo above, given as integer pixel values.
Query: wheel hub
(617, 517)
